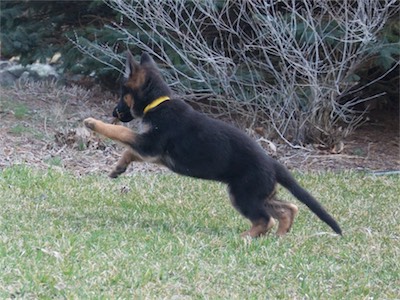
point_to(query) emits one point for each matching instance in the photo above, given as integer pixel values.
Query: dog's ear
(146, 59)
(131, 66)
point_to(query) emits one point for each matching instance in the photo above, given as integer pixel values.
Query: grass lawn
(151, 236)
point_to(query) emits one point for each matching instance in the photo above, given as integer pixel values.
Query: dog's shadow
(182, 228)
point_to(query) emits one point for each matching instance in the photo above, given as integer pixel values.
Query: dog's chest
(144, 127)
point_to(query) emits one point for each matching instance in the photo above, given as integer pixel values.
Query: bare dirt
(41, 126)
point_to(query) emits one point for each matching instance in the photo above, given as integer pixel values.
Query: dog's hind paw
(90, 123)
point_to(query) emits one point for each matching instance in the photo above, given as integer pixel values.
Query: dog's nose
(123, 116)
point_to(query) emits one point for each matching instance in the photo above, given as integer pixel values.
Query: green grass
(20, 111)
(54, 161)
(163, 236)
(23, 117)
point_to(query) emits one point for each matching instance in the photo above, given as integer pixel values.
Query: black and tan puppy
(192, 144)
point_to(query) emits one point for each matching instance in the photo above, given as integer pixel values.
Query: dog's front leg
(127, 157)
(115, 132)
(120, 134)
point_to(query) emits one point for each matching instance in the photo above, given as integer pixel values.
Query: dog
(190, 143)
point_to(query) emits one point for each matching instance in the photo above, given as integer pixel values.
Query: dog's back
(195, 145)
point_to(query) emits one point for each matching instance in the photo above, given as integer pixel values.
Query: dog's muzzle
(122, 115)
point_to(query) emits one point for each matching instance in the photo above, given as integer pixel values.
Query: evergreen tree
(36, 30)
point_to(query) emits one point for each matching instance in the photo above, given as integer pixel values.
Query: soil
(41, 126)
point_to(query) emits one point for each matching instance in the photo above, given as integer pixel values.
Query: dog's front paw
(113, 174)
(117, 171)
(90, 123)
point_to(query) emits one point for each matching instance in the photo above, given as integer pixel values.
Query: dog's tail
(284, 177)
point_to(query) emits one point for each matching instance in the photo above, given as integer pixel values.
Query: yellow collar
(156, 102)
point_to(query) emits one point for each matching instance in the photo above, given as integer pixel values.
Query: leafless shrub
(288, 62)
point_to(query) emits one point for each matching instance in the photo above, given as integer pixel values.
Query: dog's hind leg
(284, 212)
(259, 228)
(252, 209)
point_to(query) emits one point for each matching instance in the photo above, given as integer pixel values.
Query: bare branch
(290, 58)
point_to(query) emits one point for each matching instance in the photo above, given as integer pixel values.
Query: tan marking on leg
(284, 212)
(115, 132)
(286, 219)
(259, 228)
(127, 157)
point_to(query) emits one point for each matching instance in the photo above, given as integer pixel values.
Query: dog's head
(142, 84)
